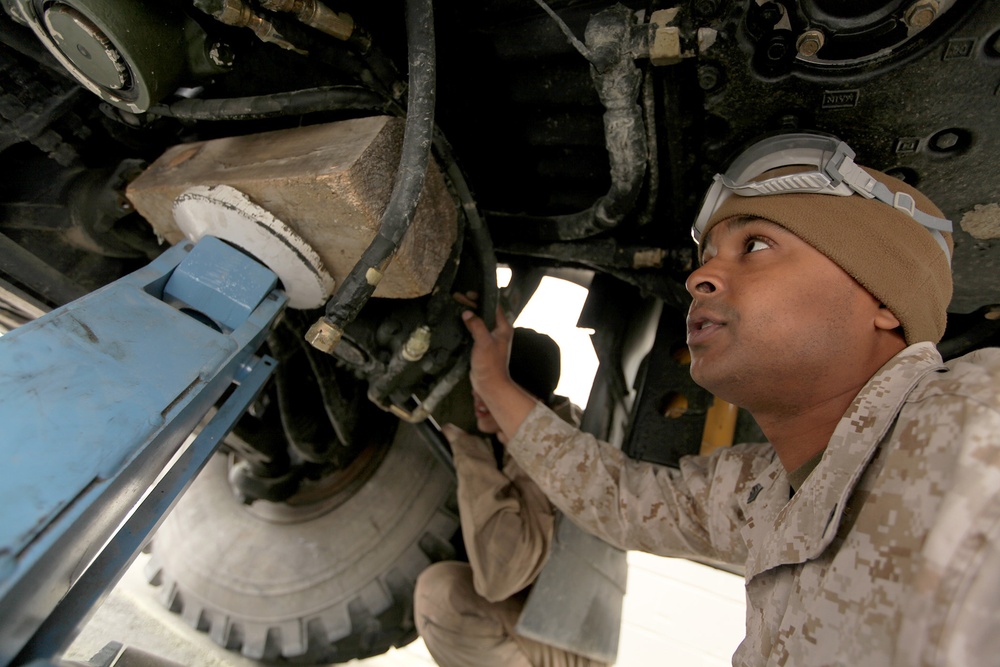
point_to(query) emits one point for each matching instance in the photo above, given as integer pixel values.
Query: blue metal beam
(96, 398)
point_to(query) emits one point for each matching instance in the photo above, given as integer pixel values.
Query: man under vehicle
(467, 612)
(869, 525)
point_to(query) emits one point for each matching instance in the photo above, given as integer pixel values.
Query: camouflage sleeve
(693, 511)
(951, 616)
(507, 522)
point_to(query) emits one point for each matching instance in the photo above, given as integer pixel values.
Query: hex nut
(922, 13)
(324, 335)
(809, 43)
(946, 141)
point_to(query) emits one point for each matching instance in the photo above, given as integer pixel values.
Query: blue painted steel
(110, 564)
(224, 285)
(95, 399)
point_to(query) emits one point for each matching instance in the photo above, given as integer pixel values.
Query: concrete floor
(675, 611)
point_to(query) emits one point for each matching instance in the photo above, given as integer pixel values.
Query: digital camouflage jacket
(888, 554)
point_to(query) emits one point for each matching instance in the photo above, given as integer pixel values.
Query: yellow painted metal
(720, 426)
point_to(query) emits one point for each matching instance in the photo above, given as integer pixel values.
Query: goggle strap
(858, 179)
(905, 203)
(865, 185)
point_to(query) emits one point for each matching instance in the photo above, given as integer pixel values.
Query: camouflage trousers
(463, 629)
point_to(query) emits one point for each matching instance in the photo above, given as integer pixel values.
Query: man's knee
(442, 595)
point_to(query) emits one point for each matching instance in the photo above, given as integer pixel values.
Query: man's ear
(885, 320)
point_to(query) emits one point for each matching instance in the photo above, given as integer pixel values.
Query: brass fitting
(324, 335)
(315, 15)
(239, 15)
(419, 342)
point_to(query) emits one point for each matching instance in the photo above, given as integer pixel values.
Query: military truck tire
(330, 588)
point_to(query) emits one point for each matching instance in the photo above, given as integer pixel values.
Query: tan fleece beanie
(886, 251)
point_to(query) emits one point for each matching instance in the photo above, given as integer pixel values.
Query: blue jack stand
(97, 400)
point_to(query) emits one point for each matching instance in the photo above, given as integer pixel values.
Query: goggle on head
(834, 173)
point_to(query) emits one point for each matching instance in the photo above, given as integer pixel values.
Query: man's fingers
(468, 299)
(502, 326)
(452, 432)
(474, 324)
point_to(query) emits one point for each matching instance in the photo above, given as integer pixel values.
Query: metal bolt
(921, 14)
(809, 43)
(777, 48)
(708, 77)
(706, 7)
(946, 141)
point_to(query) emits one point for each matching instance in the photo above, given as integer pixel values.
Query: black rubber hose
(418, 133)
(482, 242)
(292, 103)
(618, 80)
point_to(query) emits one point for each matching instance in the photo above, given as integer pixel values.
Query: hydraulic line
(418, 133)
(441, 304)
(653, 179)
(316, 15)
(618, 80)
(292, 103)
(373, 68)
(342, 26)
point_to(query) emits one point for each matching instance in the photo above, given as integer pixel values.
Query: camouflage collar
(780, 531)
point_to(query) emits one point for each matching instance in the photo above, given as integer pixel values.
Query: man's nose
(704, 280)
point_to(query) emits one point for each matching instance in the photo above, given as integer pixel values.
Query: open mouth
(701, 328)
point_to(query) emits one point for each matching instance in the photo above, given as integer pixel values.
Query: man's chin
(710, 377)
(701, 372)
(725, 386)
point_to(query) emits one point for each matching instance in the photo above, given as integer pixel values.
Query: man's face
(773, 319)
(484, 419)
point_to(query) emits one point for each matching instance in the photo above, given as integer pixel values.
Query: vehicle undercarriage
(567, 138)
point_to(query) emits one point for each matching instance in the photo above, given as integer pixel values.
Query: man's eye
(753, 245)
